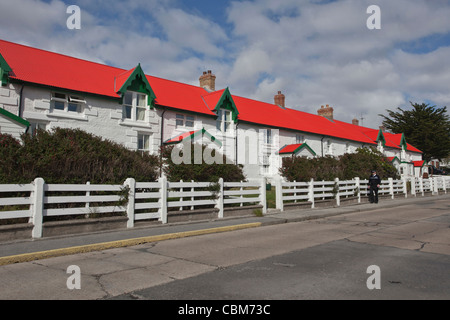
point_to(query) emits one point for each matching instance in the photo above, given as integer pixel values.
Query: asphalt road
(324, 258)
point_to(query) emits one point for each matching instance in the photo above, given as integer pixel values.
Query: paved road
(323, 258)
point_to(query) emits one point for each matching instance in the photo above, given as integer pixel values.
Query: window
(329, 148)
(299, 139)
(35, 126)
(144, 142)
(184, 121)
(134, 106)
(224, 120)
(268, 136)
(67, 103)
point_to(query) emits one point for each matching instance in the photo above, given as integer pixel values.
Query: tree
(425, 127)
(347, 166)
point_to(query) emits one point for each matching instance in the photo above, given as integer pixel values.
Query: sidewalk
(29, 250)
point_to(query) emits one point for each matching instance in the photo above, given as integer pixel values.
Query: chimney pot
(208, 81)
(326, 112)
(279, 99)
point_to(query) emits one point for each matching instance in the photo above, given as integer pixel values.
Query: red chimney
(279, 99)
(208, 81)
(326, 112)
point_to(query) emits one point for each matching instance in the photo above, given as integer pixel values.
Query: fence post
(358, 189)
(413, 186)
(421, 186)
(391, 187)
(88, 193)
(435, 186)
(219, 203)
(405, 187)
(38, 207)
(279, 193)
(262, 195)
(311, 192)
(130, 183)
(163, 199)
(336, 187)
(444, 185)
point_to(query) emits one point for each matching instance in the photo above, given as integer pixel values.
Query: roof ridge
(63, 55)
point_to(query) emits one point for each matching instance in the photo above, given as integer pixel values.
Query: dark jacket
(374, 180)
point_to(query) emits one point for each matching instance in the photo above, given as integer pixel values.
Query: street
(324, 258)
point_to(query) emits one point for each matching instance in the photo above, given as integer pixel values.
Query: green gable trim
(394, 158)
(138, 82)
(14, 117)
(193, 135)
(300, 148)
(403, 142)
(226, 102)
(4, 70)
(305, 145)
(381, 138)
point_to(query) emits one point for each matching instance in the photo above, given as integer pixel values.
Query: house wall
(103, 117)
(99, 116)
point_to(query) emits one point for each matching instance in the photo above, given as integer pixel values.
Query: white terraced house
(42, 89)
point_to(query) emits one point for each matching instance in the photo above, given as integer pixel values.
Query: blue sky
(316, 52)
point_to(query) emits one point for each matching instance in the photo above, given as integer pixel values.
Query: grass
(270, 198)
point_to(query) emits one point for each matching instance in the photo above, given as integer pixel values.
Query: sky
(316, 52)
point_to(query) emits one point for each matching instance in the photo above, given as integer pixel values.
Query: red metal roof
(61, 71)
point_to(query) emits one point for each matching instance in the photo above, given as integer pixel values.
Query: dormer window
(224, 120)
(134, 106)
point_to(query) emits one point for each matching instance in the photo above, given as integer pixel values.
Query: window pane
(179, 122)
(126, 112)
(189, 123)
(128, 98)
(59, 95)
(141, 100)
(180, 116)
(58, 105)
(143, 142)
(140, 114)
(73, 107)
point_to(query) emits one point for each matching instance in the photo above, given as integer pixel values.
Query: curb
(27, 257)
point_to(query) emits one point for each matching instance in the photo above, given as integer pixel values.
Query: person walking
(373, 185)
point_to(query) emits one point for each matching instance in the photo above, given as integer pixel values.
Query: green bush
(346, 167)
(72, 156)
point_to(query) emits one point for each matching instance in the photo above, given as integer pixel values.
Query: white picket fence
(153, 200)
(138, 200)
(314, 191)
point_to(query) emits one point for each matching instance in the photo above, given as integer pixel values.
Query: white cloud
(315, 52)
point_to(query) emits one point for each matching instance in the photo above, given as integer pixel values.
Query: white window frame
(34, 126)
(134, 107)
(299, 139)
(182, 120)
(268, 137)
(147, 140)
(224, 120)
(329, 147)
(67, 102)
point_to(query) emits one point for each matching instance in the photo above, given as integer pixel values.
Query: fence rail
(137, 200)
(153, 200)
(312, 192)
